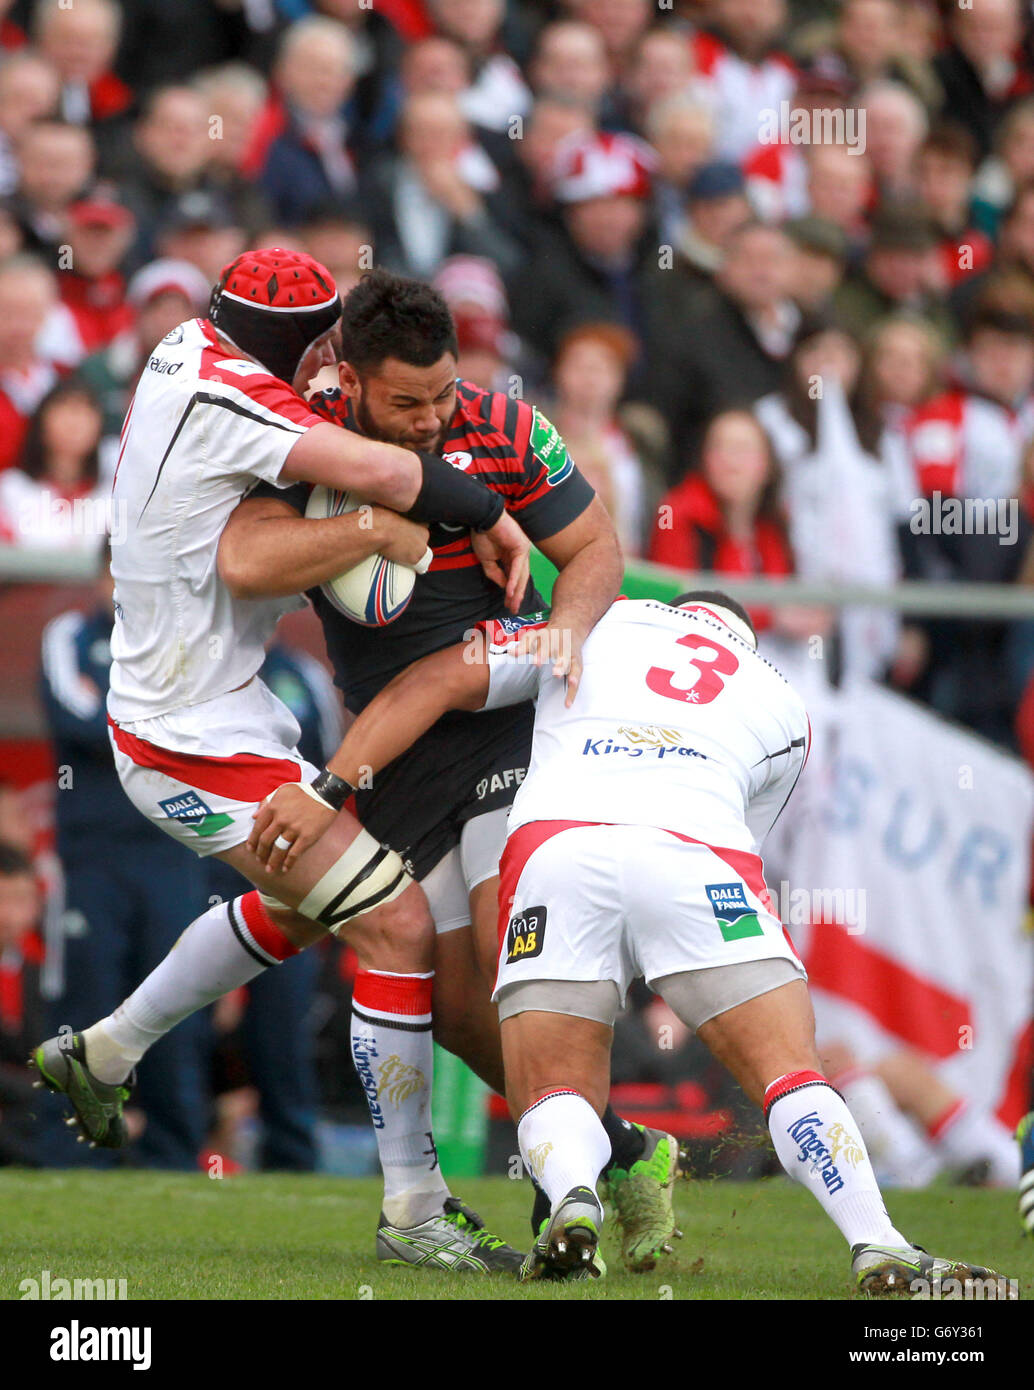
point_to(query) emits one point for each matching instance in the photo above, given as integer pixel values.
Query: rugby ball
(376, 591)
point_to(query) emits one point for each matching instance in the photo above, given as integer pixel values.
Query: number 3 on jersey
(711, 669)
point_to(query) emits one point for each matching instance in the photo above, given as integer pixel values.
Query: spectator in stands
(92, 286)
(621, 24)
(945, 168)
(896, 274)
(1008, 168)
(80, 42)
(55, 165)
(234, 96)
(161, 296)
(173, 149)
(498, 91)
(681, 132)
(662, 71)
(742, 69)
(984, 68)
(440, 196)
(895, 128)
(527, 199)
(820, 251)
(340, 240)
(201, 228)
(725, 517)
(29, 90)
(590, 371)
(845, 486)
(902, 368)
(28, 295)
(435, 64)
(865, 46)
(490, 354)
(303, 153)
(967, 443)
(54, 498)
(840, 187)
(21, 1009)
(128, 904)
(596, 267)
(743, 331)
(570, 61)
(1013, 265)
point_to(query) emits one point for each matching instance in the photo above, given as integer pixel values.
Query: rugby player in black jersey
(443, 805)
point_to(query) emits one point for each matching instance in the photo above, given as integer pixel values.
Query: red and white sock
(819, 1146)
(393, 1052)
(968, 1135)
(221, 950)
(563, 1143)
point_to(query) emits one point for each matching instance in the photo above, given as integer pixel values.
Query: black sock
(540, 1209)
(627, 1141)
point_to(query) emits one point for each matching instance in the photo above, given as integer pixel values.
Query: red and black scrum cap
(273, 304)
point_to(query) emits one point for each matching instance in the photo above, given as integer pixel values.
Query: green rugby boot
(642, 1198)
(97, 1106)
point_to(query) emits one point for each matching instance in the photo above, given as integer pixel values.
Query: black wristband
(335, 791)
(448, 495)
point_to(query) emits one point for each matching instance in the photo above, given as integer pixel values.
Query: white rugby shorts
(200, 773)
(581, 901)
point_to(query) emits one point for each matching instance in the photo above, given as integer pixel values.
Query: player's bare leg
(466, 1022)
(768, 1043)
(640, 1171)
(558, 1077)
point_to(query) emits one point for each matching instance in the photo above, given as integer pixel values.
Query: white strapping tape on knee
(366, 876)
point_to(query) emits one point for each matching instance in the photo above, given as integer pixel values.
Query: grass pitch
(312, 1237)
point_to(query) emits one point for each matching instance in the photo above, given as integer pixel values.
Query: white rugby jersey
(677, 723)
(202, 428)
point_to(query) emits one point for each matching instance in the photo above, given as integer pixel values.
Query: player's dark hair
(716, 597)
(388, 315)
(14, 861)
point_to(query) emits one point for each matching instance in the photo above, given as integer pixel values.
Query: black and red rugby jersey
(514, 450)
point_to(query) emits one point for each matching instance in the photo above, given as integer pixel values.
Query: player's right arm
(267, 550)
(466, 676)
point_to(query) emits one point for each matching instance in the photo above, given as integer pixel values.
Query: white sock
(968, 1135)
(898, 1152)
(563, 1143)
(222, 949)
(819, 1146)
(393, 1053)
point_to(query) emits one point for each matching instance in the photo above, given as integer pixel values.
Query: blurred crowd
(767, 264)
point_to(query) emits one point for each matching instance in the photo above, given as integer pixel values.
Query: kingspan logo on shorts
(805, 1134)
(191, 811)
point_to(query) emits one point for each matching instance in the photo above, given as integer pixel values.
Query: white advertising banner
(901, 868)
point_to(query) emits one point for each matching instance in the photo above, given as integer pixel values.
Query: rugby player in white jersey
(633, 851)
(199, 741)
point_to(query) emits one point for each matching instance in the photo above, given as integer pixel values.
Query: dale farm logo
(734, 915)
